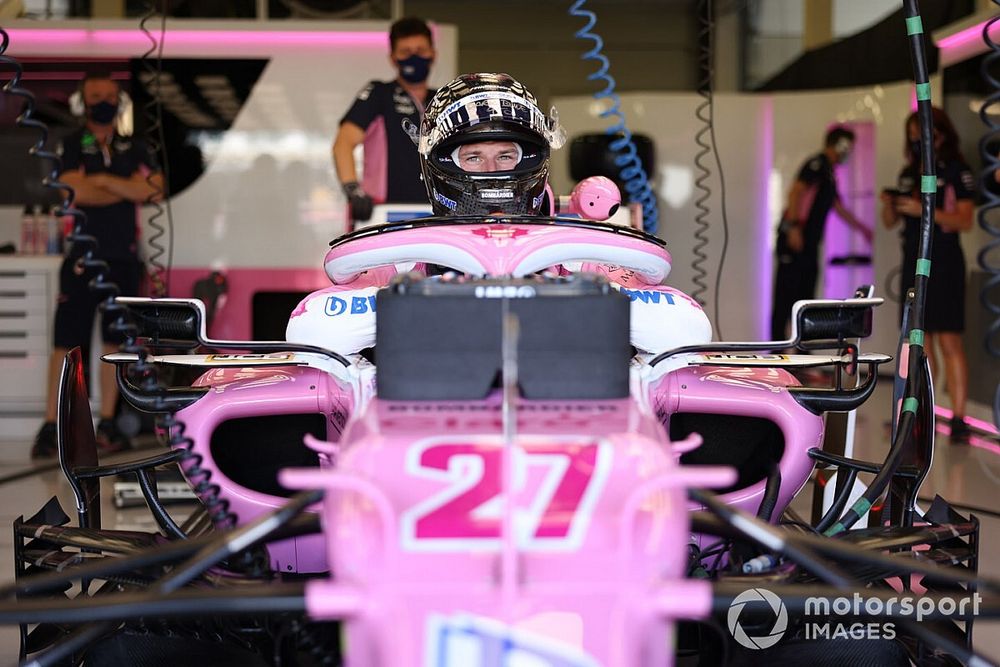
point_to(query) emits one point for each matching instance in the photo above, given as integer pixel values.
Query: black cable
(165, 553)
(722, 175)
(835, 549)
(839, 501)
(238, 540)
(915, 336)
(770, 538)
(156, 143)
(703, 112)
(217, 550)
(771, 489)
(766, 535)
(989, 254)
(189, 603)
(144, 373)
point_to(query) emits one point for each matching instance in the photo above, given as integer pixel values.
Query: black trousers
(795, 280)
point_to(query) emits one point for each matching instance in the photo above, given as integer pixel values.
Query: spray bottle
(27, 231)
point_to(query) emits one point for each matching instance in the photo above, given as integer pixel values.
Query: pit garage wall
(763, 140)
(268, 202)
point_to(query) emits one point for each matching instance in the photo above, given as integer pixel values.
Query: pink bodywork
(431, 566)
(595, 537)
(595, 198)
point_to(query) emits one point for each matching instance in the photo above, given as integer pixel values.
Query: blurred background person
(944, 316)
(111, 175)
(803, 223)
(391, 168)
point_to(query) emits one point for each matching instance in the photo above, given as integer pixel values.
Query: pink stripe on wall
(233, 319)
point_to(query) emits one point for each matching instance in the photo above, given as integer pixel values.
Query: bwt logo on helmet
(450, 203)
(757, 597)
(360, 305)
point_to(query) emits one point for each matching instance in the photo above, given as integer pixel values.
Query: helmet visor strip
(486, 107)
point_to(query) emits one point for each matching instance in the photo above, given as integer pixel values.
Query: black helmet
(476, 108)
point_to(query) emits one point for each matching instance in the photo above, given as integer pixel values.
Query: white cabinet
(28, 288)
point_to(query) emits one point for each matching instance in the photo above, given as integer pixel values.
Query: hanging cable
(989, 255)
(143, 373)
(916, 367)
(627, 158)
(83, 245)
(190, 462)
(705, 112)
(156, 143)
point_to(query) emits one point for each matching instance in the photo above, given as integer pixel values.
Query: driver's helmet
(495, 108)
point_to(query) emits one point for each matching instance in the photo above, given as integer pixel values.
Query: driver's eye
(472, 159)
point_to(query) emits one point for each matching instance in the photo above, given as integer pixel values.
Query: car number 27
(557, 484)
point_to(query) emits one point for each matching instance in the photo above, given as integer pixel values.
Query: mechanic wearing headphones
(391, 169)
(812, 196)
(109, 174)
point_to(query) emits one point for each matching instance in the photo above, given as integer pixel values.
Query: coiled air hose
(190, 461)
(916, 365)
(705, 112)
(156, 143)
(989, 254)
(627, 159)
(142, 373)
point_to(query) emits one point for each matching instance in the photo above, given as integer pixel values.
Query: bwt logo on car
(648, 296)
(360, 305)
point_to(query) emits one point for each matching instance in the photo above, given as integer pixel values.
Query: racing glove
(360, 203)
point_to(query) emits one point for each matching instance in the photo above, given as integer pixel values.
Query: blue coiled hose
(627, 159)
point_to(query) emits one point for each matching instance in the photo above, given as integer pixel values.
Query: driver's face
(487, 156)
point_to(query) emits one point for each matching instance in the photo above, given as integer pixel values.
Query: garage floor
(967, 475)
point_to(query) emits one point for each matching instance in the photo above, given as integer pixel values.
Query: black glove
(361, 204)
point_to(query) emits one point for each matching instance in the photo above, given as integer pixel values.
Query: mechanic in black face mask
(391, 168)
(108, 173)
(803, 224)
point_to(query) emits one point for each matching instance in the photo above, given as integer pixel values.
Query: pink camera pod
(594, 198)
(566, 545)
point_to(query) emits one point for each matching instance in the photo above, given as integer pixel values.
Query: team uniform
(945, 310)
(380, 109)
(114, 227)
(798, 271)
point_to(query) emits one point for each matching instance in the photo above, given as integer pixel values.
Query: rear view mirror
(825, 325)
(174, 323)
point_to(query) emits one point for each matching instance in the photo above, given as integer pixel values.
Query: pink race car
(503, 418)
(505, 428)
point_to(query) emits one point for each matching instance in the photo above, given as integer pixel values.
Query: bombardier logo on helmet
(484, 147)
